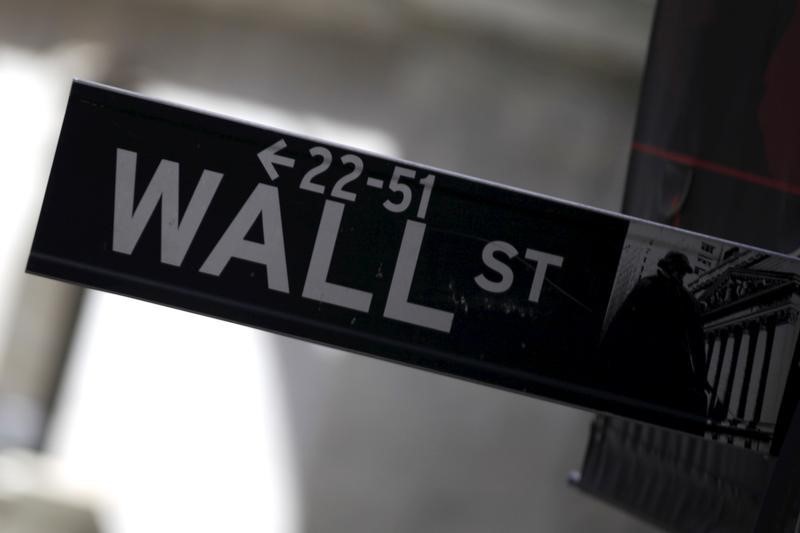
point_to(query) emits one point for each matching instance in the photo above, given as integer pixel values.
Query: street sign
(418, 266)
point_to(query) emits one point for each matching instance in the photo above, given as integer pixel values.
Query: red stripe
(694, 162)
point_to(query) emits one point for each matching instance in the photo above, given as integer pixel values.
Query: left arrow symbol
(269, 158)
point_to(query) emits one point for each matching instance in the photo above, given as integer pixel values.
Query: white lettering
(176, 235)
(490, 260)
(397, 305)
(317, 286)
(543, 260)
(263, 201)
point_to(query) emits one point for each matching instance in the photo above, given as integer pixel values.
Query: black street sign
(418, 266)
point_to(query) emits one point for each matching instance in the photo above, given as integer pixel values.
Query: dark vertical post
(753, 331)
(777, 513)
(710, 377)
(723, 345)
(762, 382)
(737, 344)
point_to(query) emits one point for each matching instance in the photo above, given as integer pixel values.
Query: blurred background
(204, 426)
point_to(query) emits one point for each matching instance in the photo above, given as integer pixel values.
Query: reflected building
(749, 306)
(750, 309)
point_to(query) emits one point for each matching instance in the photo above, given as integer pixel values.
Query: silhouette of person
(654, 348)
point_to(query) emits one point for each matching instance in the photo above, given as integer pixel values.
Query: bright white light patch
(178, 421)
(309, 124)
(27, 129)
